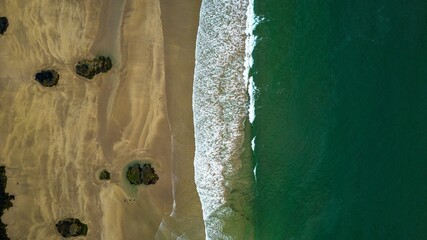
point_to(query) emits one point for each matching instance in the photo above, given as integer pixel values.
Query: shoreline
(223, 163)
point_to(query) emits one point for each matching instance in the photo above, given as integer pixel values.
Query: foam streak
(223, 167)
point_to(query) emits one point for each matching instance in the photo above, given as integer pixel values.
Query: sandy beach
(55, 141)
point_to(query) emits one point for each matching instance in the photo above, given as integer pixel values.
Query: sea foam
(223, 164)
(251, 22)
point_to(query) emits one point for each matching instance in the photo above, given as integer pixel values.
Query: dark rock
(4, 23)
(5, 201)
(47, 78)
(71, 227)
(141, 175)
(89, 68)
(105, 175)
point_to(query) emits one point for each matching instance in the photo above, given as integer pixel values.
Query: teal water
(341, 119)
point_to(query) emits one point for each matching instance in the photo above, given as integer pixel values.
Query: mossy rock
(89, 68)
(47, 78)
(105, 175)
(71, 227)
(4, 24)
(145, 174)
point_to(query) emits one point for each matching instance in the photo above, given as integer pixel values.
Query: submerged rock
(5, 201)
(141, 175)
(90, 68)
(105, 175)
(4, 23)
(47, 78)
(71, 227)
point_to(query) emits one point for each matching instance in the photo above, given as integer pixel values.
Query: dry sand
(54, 141)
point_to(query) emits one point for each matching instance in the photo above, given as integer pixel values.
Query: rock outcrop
(47, 78)
(105, 175)
(4, 23)
(71, 227)
(90, 68)
(145, 174)
(5, 201)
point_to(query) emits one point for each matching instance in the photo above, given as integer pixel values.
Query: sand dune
(54, 141)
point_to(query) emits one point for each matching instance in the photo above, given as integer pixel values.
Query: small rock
(90, 68)
(5, 202)
(105, 175)
(141, 175)
(71, 227)
(47, 78)
(4, 23)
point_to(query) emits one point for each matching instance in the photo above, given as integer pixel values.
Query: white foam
(252, 91)
(253, 149)
(223, 169)
(251, 22)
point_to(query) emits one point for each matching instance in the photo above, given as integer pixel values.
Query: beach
(55, 141)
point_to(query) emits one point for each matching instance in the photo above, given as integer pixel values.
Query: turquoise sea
(341, 119)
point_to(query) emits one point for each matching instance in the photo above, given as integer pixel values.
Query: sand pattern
(54, 141)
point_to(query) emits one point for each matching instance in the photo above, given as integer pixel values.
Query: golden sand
(54, 141)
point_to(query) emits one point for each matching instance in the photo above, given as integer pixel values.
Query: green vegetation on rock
(90, 68)
(71, 227)
(145, 174)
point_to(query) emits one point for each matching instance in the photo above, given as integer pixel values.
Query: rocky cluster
(71, 227)
(90, 68)
(145, 174)
(105, 175)
(5, 201)
(47, 78)
(4, 23)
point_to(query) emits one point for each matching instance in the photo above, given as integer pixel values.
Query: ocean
(336, 94)
(340, 119)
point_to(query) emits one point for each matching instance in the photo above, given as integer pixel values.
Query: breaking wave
(221, 104)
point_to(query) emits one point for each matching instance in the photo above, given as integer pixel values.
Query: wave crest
(223, 163)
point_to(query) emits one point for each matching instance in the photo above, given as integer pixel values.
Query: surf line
(223, 161)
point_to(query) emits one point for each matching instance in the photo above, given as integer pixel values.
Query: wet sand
(54, 141)
(180, 22)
